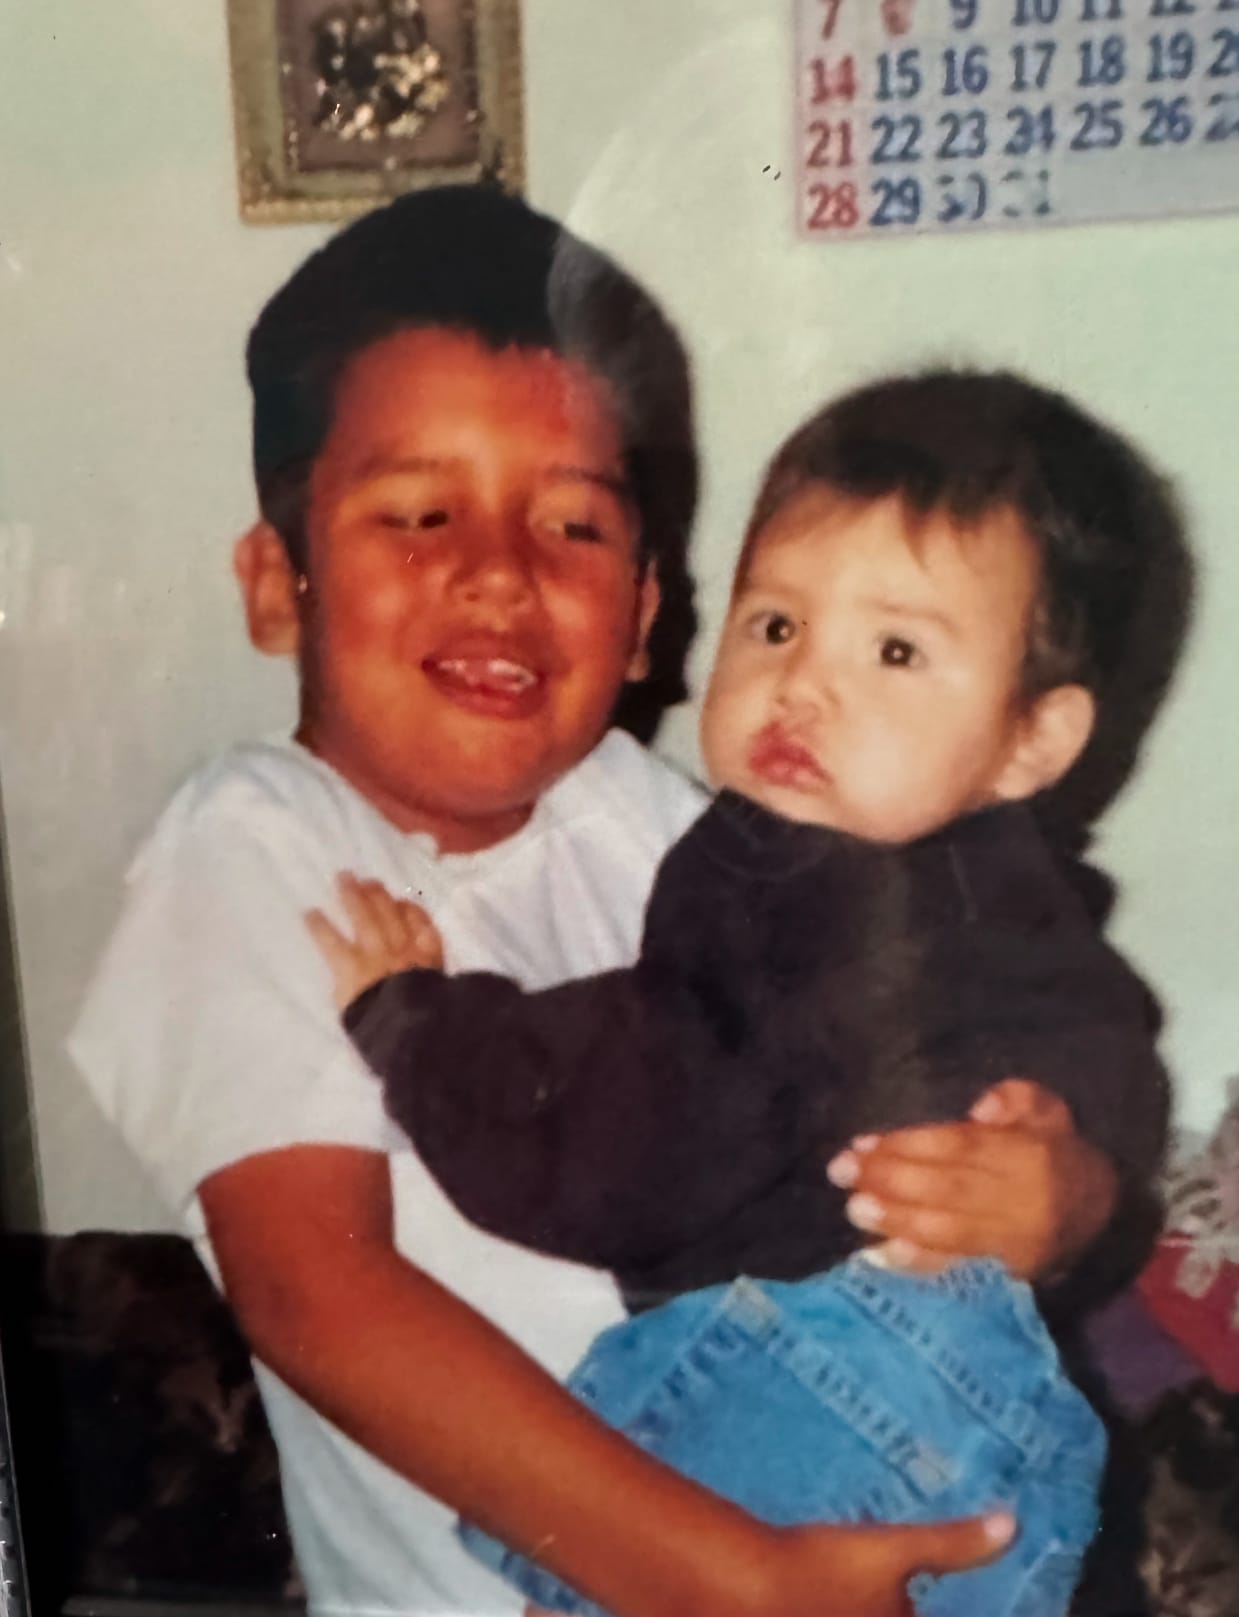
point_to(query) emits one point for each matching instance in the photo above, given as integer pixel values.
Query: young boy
(865, 930)
(474, 456)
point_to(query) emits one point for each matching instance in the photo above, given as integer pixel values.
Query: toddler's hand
(389, 935)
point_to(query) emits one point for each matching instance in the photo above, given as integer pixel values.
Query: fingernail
(865, 1211)
(864, 1142)
(843, 1171)
(1000, 1527)
(987, 1110)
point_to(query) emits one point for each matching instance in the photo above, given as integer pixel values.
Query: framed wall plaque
(342, 104)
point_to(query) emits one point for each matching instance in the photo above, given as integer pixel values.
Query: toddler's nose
(807, 683)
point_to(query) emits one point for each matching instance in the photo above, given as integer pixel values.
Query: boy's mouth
(781, 760)
(501, 681)
(489, 673)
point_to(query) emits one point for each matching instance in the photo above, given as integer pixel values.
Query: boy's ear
(649, 597)
(1053, 733)
(269, 591)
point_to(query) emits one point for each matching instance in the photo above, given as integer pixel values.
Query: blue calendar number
(964, 136)
(1171, 56)
(1102, 61)
(1024, 194)
(1100, 126)
(1030, 131)
(1042, 12)
(963, 199)
(1031, 64)
(1169, 122)
(965, 72)
(1226, 62)
(898, 138)
(1225, 126)
(899, 75)
(899, 202)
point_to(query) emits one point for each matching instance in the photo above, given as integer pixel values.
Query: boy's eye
(414, 521)
(896, 652)
(590, 532)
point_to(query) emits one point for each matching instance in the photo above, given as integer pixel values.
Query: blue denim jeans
(860, 1396)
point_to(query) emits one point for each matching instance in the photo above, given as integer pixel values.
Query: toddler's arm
(585, 1121)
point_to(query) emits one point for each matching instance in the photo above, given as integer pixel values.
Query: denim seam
(819, 1371)
(657, 1383)
(1019, 1422)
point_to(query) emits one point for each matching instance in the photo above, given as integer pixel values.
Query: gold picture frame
(340, 105)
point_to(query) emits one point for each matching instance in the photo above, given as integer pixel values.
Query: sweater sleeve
(583, 1121)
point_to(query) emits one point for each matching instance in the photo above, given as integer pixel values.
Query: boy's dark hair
(1115, 587)
(474, 259)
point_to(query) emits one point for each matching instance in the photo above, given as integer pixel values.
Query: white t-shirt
(209, 1035)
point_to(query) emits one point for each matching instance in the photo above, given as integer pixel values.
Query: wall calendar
(948, 115)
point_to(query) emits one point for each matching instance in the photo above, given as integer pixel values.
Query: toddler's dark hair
(1115, 585)
(476, 260)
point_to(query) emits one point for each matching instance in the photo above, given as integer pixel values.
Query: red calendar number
(831, 81)
(830, 17)
(830, 144)
(833, 207)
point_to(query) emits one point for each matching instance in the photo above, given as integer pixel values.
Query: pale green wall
(126, 286)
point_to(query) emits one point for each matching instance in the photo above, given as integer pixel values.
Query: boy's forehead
(439, 354)
(432, 383)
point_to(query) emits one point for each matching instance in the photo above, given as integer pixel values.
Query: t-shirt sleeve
(209, 1033)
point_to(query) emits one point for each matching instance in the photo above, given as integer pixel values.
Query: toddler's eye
(896, 652)
(775, 628)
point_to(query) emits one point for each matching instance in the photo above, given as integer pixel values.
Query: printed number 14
(829, 82)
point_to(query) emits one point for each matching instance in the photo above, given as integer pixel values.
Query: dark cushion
(143, 1459)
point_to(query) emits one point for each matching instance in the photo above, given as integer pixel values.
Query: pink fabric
(1204, 1324)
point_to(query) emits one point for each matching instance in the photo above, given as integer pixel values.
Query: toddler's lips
(500, 686)
(780, 760)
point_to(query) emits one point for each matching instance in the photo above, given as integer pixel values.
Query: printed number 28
(834, 207)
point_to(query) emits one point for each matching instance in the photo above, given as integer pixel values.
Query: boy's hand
(826, 1571)
(1014, 1182)
(390, 935)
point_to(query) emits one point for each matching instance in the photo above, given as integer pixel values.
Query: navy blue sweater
(795, 986)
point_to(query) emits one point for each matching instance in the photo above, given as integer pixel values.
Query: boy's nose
(496, 567)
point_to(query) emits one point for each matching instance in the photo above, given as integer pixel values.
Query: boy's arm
(588, 1121)
(1055, 1178)
(303, 1237)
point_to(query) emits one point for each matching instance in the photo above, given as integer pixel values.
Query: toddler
(866, 930)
